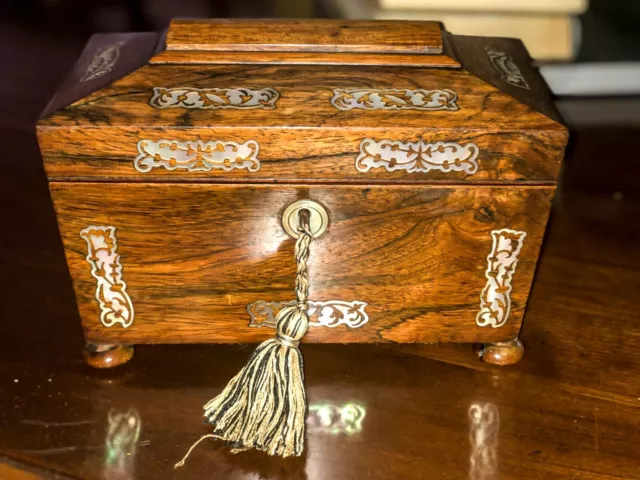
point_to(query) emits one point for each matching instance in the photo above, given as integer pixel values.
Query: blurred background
(589, 52)
(586, 49)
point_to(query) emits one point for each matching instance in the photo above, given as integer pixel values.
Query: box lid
(303, 101)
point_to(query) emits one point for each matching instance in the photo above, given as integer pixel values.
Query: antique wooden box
(429, 160)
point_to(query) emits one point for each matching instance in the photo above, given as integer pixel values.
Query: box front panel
(178, 263)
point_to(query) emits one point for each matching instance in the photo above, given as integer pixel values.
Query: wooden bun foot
(501, 353)
(107, 356)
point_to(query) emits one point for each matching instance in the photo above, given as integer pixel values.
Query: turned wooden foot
(501, 353)
(107, 356)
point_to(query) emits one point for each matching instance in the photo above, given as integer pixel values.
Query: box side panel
(171, 263)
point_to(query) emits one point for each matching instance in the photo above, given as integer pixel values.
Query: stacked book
(547, 27)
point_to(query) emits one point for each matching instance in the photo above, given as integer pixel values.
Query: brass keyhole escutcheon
(318, 218)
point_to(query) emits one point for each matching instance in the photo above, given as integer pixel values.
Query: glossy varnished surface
(194, 257)
(569, 410)
(304, 35)
(306, 92)
(311, 155)
(303, 58)
(302, 134)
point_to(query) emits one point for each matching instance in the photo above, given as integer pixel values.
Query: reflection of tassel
(265, 405)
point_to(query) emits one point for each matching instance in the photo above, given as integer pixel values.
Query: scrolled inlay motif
(214, 98)
(507, 68)
(102, 62)
(394, 99)
(417, 156)
(330, 314)
(495, 300)
(111, 290)
(197, 156)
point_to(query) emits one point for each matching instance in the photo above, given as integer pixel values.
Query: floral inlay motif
(495, 300)
(394, 99)
(417, 156)
(321, 314)
(213, 98)
(509, 71)
(197, 156)
(102, 62)
(111, 289)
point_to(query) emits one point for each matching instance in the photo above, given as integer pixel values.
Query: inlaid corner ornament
(509, 71)
(495, 300)
(102, 62)
(394, 99)
(197, 156)
(417, 156)
(213, 98)
(111, 289)
(321, 314)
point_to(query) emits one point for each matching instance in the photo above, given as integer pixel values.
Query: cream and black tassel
(265, 405)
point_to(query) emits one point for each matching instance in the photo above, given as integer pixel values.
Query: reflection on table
(484, 428)
(336, 419)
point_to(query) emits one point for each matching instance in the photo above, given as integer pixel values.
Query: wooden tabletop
(569, 410)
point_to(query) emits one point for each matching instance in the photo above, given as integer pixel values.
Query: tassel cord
(184, 459)
(264, 406)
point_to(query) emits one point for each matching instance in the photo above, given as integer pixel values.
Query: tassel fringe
(264, 406)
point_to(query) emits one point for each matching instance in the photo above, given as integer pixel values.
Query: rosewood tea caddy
(179, 165)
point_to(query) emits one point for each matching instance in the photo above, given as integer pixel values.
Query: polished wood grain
(569, 410)
(194, 257)
(304, 138)
(305, 94)
(303, 58)
(305, 35)
(307, 155)
(202, 246)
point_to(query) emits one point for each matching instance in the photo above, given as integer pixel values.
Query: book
(572, 7)
(593, 79)
(547, 37)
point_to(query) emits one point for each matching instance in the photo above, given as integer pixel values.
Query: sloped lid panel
(316, 96)
(506, 64)
(106, 58)
(317, 123)
(301, 123)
